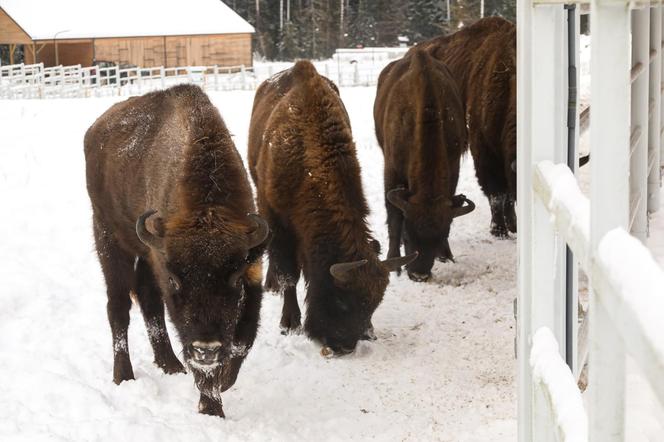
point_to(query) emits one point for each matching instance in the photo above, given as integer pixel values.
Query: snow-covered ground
(442, 369)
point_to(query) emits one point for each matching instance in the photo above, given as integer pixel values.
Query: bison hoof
(499, 232)
(171, 367)
(210, 407)
(290, 324)
(122, 370)
(419, 277)
(297, 330)
(369, 335)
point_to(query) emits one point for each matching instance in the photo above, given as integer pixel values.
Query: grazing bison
(303, 161)
(421, 128)
(482, 59)
(169, 153)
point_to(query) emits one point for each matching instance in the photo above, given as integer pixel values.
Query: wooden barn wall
(70, 52)
(10, 32)
(223, 50)
(138, 51)
(207, 50)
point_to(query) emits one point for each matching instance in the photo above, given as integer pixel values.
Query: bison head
(204, 266)
(426, 228)
(340, 310)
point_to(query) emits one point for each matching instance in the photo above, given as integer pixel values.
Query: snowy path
(442, 368)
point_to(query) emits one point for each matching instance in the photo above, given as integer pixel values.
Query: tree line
(288, 29)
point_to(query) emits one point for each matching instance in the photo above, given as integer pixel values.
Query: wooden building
(143, 33)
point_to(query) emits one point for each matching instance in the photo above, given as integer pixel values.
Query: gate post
(541, 135)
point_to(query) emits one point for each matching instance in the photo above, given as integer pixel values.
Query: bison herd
(175, 222)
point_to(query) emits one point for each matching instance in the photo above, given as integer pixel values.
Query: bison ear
(375, 245)
(159, 226)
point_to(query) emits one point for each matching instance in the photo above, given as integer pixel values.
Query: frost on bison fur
(170, 200)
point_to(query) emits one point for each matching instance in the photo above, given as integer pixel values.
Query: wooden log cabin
(144, 33)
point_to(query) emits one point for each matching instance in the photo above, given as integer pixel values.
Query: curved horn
(146, 237)
(394, 264)
(258, 236)
(463, 210)
(513, 166)
(339, 271)
(397, 198)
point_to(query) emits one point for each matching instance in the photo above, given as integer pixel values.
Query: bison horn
(461, 210)
(146, 237)
(258, 236)
(397, 198)
(340, 270)
(394, 264)
(513, 166)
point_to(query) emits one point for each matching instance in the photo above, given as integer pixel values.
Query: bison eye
(174, 283)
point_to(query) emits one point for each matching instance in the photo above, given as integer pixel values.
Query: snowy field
(442, 369)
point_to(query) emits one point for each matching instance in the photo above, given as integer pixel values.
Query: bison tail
(304, 70)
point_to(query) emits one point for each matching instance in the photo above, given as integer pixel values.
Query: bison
(173, 223)
(421, 128)
(303, 161)
(482, 59)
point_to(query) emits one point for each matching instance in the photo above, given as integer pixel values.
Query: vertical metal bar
(609, 203)
(524, 208)
(571, 295)
(541, 100)
(655, 79)
(638, 176)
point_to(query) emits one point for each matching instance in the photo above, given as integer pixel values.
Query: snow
(569, 208)
(559, 387)
(67, 19)
(442, 368)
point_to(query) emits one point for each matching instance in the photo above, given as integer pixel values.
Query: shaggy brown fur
(170, 151)
(421, 128)
(303, 161)
(482, 58)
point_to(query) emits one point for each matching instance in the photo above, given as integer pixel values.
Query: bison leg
(117, 268)
(207, 405)
(510, 215)
(498, 225)
(394, 221)
(283, 273)
(152, 307)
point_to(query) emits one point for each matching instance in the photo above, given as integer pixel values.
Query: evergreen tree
(424, 19)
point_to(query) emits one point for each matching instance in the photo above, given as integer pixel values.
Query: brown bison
(303, 161)
(482, 59)
(421, 128)
(169, 153)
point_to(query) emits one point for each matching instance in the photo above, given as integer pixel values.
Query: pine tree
(424, 19)
(363, 30)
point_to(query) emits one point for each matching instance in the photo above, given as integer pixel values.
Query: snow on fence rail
(626, 281)
(359, 68)
(556, 388)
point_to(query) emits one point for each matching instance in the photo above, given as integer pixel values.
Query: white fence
(626, 309)
(347, 68)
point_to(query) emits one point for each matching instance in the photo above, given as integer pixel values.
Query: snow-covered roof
(45, 20)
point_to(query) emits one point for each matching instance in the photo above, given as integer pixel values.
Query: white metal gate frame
(627, 286)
